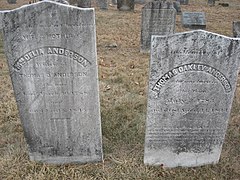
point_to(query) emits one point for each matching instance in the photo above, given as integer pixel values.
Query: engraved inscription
(191, 68)
(50, 50)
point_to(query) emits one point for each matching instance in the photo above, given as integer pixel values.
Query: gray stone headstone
(177, 6)
(84, 3)
(183, 2)
(192, 81)
(103, 4)
(211, 2)
(194, 20)
(158, 18)
(12, 1)
(51, 53)
(125, 5)
(236, 29)
(114, 2)
(139, 1)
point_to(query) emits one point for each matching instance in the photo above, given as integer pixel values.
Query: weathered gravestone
(183, 2)
(125, 5)
(194, 20)
(211, 2)
(192, 81)
(177, 6)
(84, 3)
(236, 29)
(12, 1)
(51, 53)
(103, 4)
(158, 18)
(114, 2)
(139, 1)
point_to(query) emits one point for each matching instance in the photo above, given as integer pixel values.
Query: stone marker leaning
(51, 53)
(192, 81)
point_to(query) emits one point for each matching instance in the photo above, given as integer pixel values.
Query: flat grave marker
(194, 20)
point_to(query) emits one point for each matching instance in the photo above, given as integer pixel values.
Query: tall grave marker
(51, 53)
(193, 77)
(158, 18)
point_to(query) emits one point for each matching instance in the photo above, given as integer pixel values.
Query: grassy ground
(123, 74)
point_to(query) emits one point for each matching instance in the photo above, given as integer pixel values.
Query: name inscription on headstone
(186, 119)
(51, 53)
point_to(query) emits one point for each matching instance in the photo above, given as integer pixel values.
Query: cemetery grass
(123, 77)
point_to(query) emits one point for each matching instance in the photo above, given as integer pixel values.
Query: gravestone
(192, 80)
(211, 2)
(139, 1)
(183, 2)
(236, 29)
(84, 3)
(12, 1)
(125, 5)
(158, 18)
(103, 4)
(114, 2)
(51, 53)
(194, 20)
(177, 6)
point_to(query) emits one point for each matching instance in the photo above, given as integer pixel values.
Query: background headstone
(84, 3)
(194, 20)
(12, 1)
(183, 2)
(186, 119)
(236, 29)
(158, 18)
(211, 2)
(139, 1)
(51, 53)
(114, 2)
(103, 4)
(125, 5)
(177, 6)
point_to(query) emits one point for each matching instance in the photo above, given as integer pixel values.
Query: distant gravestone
(139, 1)
(193, 77)
(51, 53)
(183, 2)
(125, 5)
(103, 4)
(12, 1)
(211, 2)
(177, 6)
(158, 18)
(236, 29)
(114, 2)
(84, 3)
(194, 20)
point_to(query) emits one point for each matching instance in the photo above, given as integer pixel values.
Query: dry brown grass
(123, 74)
